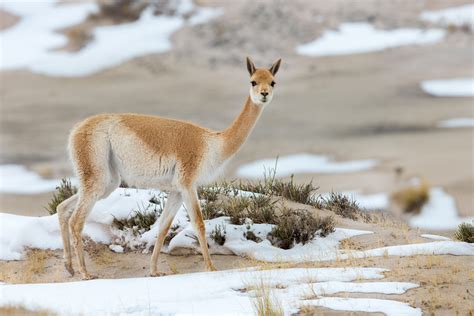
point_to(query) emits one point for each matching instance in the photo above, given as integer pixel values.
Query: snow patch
(457, 123)
(198, 293)
(439, 213)
(356, 38)
(30, 43)
(303, 163)
(435, 237)
(17, 179)
(459, 87)
(457, 16)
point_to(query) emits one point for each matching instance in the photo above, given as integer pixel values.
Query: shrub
(412, 199)
(64, 191)
(140, 220)
(299, 226)
(465, 232)
(250, 235)
(301, 193)
(343, 206)
(218, 234)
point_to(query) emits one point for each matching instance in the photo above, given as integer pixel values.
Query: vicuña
(154, 152)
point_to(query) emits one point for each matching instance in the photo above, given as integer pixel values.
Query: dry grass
(412, 198)
(30, 269)
(218, 234)
(264, 302)
(22, 311)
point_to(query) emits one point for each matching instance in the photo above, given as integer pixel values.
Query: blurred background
(374, 98)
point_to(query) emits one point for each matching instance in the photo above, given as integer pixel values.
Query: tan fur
(153, 152)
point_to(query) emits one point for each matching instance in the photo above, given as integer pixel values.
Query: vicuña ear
(274, 68)
(250, 66)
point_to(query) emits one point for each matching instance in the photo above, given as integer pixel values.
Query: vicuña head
(262, 82)
(153, 152)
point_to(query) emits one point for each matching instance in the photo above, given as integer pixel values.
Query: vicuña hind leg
(171, 208)
(194, 211)
(76, 224)
(64, 210)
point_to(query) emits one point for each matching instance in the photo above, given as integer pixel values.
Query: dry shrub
(64, 191)
(299, 226)
(119, 10)
(412, 199)
(35, 264)
(465, 232)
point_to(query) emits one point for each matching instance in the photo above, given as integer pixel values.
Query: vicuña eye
(253, 83)
(272, 84)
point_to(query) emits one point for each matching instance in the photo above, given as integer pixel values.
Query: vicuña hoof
(211, 268)
(157, 274)
(88, 276)
(69, 268)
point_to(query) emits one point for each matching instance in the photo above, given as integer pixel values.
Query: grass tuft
(465, 232)
(299, 226)
(412, 199)
(218, 234)
(265, 303)
(343, 206)
(139, 221)
(64, 191)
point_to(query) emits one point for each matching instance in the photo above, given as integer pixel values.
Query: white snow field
(216, 293)
(357, 38)
(30, 43)
(457, 16)
(457, 123)
(440, 213)
(302, 163)
(17, 179)
(459, 87)
(18, 232)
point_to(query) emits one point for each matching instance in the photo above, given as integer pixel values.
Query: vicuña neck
(236, 134)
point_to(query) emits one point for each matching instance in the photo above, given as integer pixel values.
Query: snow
(388, 307)
(457, 16)
(458, 87)
(17, 179)
(199, 293)
(439, 213)
(435, 237)
(356, 38)
(303, 163)
(457, 122)
(30, 43)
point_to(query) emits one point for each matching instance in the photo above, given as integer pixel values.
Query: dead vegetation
(30, 269)
(22, 311)
(412, 198)
(264, 302)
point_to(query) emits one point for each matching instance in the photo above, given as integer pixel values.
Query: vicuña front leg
(169, 212)
(194, 211)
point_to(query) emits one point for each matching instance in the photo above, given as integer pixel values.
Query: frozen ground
(356, 38)
(460, 87)
(302, 163)
(229, 292)
(30, 44)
